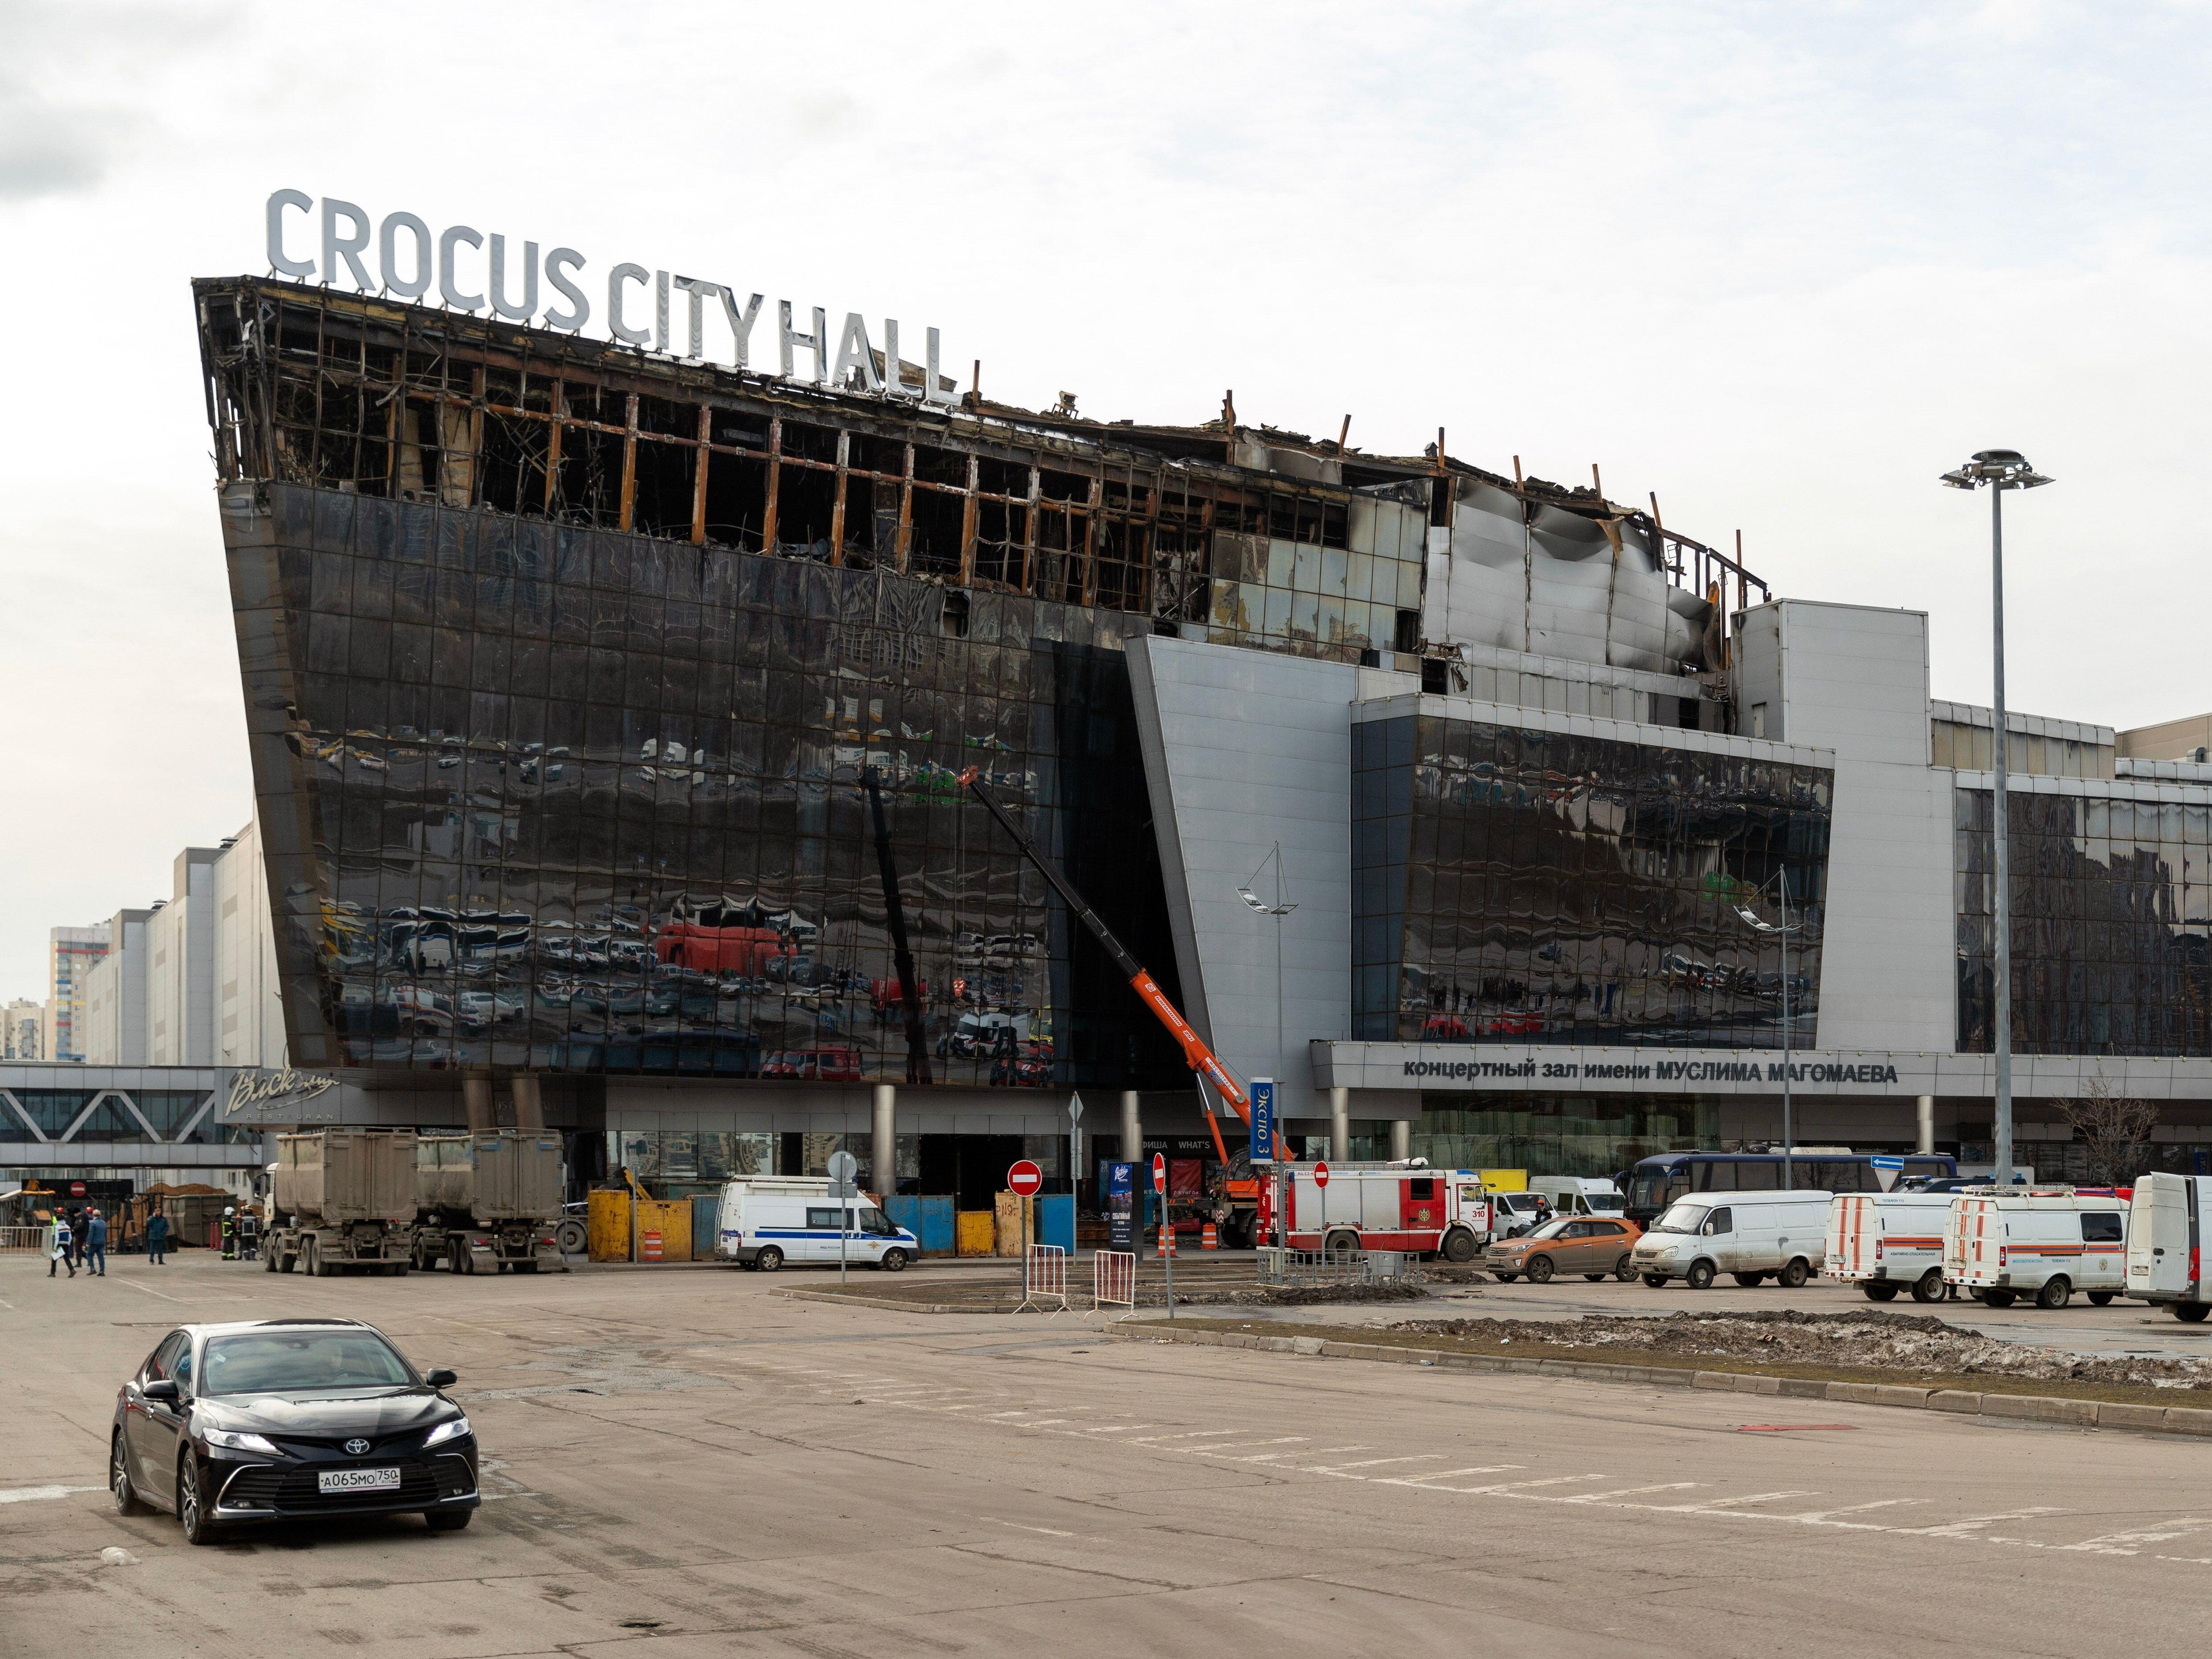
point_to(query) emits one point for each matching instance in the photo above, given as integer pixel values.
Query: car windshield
(1681, 1219)
(873, 1220)
(1551, 1229)
(1604, 1203)
(273, 1362)
(1517, 1200)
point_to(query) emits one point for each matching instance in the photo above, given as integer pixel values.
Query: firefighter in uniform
(229, 1233)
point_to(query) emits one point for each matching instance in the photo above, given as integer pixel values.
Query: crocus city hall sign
(471, 272)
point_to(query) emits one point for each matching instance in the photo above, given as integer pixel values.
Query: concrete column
(1926, 1123)
(1402, 1139)
(1340, 1124)
(476, 1104)
(1133, 1129)
(885, 1170)
(528, 1103)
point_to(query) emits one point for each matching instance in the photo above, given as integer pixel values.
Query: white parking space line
(2120, 1543)
(1631, 1492)
(1272, 1458)
(166, 1296)
(1454, 1474)
(1372, 1462)
(1707, 1506)
(1973, 1523)
(40, 1494)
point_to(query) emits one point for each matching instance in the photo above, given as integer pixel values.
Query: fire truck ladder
(1200, 1059)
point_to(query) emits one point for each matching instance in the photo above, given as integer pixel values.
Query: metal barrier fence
(1114, 1279)
(1337, 1270)
(24, 1238)
(1045, 1277)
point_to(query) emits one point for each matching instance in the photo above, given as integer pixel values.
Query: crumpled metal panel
(1557, 584)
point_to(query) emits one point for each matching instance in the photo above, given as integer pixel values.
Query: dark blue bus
(1655, 1183)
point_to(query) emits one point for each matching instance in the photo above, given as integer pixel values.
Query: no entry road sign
(1159, 1172)
(1024, 1178)
(1321, 1175)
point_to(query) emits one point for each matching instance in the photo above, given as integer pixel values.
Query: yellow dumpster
(607, 1226)
(669, 1218)
(1009, 1224)
(976, 1232)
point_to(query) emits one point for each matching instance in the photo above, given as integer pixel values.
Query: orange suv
(1592, 1246)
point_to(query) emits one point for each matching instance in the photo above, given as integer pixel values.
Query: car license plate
(358, 1480)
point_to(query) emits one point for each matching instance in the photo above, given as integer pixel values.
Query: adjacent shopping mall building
(567, 665)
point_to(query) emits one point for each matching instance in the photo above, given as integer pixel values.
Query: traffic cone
(1210, 1239)
(1167, 1240)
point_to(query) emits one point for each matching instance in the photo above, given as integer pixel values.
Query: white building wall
(1854, 679)
(180, 961)
(248, 1009)
(115, 995)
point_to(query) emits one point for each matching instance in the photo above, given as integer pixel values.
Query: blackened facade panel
(1512, 884)
(2112, 924)
(552, 796)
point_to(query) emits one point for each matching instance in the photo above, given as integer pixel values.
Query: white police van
(767, 1220)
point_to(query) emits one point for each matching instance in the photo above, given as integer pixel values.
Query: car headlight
(232, 1441)
(452, 1429)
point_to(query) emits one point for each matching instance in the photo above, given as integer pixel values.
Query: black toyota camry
(288, 1419)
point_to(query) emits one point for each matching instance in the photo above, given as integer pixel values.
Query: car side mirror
(439, 1378)
(161, 1389)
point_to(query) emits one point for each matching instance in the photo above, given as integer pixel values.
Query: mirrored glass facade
(1512, 884)
(2112, 924)
(1561, 1134)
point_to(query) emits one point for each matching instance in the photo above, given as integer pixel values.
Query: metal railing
(1337, 1270)
(1044, 1277)
(1114, 1279)
(25, 1239)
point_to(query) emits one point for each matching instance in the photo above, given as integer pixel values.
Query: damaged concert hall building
(575, 671)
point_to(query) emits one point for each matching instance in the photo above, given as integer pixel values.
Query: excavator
(1239, 1198)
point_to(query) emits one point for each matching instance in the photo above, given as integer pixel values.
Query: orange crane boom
(1200, 1059)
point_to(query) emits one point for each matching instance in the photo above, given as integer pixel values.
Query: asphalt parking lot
(687, 1460)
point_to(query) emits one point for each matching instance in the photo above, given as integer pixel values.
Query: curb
(2014, 1407)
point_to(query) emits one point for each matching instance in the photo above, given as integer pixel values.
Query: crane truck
(1240, 1202)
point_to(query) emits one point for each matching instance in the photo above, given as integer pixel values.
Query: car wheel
(1929, 1287)
(1505, 1279)
(1794, 1276)
(1996, 1298)
(448, 1520)
(1595, 1278)
(894, 1261)
(2191, 1313)
(2057, 1292)
(119, 1478)
(1700, 1276)
(1657, 1281)
(1750, 1281)
(2100, 1298)
(1459, 1246)
(769, 1259)
(1539, 1270)
(192, 1503)
(1625, 1269)
(1878, 1290)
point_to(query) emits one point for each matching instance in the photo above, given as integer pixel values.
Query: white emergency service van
(1580, 1194)
(2165, 1234)
(767, 1220)
(2047, 1242)
(1755, 1235)
(1884, 1242)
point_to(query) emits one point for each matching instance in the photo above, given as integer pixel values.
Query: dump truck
(487, 1200)
(344, 1199)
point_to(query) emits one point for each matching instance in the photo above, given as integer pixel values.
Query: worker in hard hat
(229, 1233)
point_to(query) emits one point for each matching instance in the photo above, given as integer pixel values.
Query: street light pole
(1789, 1123)
(1279, 910)
(2000, 470)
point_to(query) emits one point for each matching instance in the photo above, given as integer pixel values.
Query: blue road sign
(1263, 1119)
(1887, 1163)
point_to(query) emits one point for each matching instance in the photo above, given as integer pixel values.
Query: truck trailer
(488, 1201)
(341, 1199)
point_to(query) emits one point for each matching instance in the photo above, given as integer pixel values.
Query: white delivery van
(2165, 1228)
(768, 1220)
(1580, 1194)
(1885, 1242)
(1754, 1236)
(2047, 1243)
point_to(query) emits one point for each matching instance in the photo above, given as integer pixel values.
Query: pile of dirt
(1910, 1345)
(1285, 1296)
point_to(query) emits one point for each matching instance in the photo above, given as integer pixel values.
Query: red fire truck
(1392, 1206)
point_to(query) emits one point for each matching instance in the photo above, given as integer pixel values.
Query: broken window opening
(1064, 486)
(591, 476)
(940, 466)
(515, 454)
(871, 520)
(810, 443)
(737, 501)
(1002, 534)
(737, 428)
(669, 418)
(662, 491)
(805, 498)
(936, 523)
(997, 477)
(955, 615)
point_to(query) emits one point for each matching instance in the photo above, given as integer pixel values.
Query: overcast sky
(1782, 265)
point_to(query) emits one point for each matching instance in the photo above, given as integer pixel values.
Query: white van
(1580, 1194)
(1752, 1234)
(768, 1220)
(2047, 1243)
(1884, 1241)
(2165, 1224)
